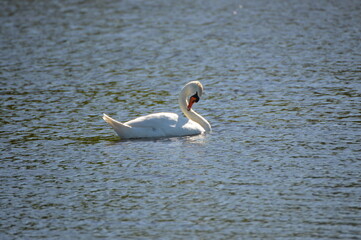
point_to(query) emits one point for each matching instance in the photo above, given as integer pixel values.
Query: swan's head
(193, 91)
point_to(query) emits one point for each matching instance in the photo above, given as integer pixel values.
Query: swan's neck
(191, 114)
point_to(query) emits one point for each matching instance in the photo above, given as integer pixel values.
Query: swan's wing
(155, 121)
(155, 125)
(164, 125)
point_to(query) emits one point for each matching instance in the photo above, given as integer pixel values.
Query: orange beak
(191, 101)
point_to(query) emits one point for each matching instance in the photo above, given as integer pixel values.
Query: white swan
(165, 124)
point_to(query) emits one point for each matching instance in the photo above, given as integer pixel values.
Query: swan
(165, 124)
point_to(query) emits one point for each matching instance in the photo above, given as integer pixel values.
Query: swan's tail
(120, 128)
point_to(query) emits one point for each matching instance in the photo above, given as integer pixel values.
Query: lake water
(282, 86)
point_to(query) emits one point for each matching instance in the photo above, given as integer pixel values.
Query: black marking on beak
(196, 97)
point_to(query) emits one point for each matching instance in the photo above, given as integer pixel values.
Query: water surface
(282, 92)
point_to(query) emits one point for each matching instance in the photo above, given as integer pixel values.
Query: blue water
(282, 86)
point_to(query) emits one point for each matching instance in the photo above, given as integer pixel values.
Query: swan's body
(165, 124)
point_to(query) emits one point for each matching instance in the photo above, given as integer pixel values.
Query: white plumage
(165, 124)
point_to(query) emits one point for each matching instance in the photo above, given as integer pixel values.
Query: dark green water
(282, 92)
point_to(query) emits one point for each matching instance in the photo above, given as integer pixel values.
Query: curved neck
(192, 115)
